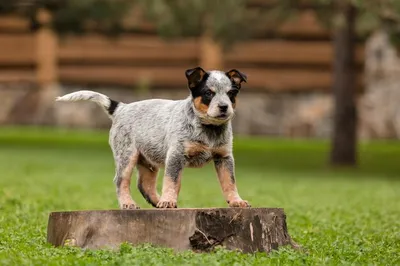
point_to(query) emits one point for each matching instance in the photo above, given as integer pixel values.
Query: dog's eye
(209, 94)
(232, 93)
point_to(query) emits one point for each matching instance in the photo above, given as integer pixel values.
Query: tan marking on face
(228, 188)
(201, 107)
(148, 181)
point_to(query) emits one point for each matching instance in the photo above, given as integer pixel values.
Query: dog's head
(214, 93)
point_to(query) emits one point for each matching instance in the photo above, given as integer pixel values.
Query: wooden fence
(297, 58)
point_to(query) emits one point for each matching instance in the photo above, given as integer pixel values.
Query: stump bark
(245, 229)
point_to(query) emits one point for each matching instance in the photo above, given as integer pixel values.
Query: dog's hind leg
(125, 162)
(147, 181)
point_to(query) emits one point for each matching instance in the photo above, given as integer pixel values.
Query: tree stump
(245, 229)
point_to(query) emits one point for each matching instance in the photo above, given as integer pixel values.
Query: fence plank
(46, 52)
(129, 48)
(14, 24)
(305, 25)
(126, 48)
(17, 49)
(17, 76)
(285, 52)
(285, 80)
(123, 75)
(260, 79)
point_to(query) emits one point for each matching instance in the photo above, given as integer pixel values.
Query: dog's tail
(109, 105)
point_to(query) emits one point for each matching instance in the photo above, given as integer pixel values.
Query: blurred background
(316, 68)
(323, 91)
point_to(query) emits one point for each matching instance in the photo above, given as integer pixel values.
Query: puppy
(158, 133)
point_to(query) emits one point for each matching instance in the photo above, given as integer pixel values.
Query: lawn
(340, 216)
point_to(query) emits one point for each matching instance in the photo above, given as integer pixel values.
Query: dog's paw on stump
(245, 229)
(164, 204)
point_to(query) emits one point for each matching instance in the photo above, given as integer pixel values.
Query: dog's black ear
(195, 76)
(236, 77)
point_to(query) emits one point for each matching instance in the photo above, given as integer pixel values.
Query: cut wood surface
(244, 229)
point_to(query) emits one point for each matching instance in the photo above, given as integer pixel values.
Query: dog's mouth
(217, 120)
(222, 116)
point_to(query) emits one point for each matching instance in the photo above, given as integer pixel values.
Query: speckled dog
(173, 134)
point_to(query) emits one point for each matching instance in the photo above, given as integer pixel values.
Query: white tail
(84, 95)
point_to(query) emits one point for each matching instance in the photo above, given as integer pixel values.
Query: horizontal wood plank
(304, 24)
(285, 52)
(17, 49)
(14, 24)
(131, 49)
(17, 76)
(259, 79)
(126, 48)
(123, 75)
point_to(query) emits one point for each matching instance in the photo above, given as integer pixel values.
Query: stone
(379, 106)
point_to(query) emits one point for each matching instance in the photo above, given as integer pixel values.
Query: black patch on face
(233, 93)
(201, 90)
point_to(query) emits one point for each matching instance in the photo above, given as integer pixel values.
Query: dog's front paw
(128, 205)
(239, 203)
(163, 204)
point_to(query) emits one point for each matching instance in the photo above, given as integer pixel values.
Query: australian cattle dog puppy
(157, 133)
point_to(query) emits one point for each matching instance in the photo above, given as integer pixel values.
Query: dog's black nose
(223, 107)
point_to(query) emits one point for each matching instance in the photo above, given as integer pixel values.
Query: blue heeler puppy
(158, 133)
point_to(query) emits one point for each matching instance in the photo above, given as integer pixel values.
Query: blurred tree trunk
(344, 139)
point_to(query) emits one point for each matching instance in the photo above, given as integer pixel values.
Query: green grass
(341, 216)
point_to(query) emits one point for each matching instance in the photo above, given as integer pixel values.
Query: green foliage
(226, 21)
(105, 16)
(341, 217)
(75, 16)
(383, 14)
(371, 14)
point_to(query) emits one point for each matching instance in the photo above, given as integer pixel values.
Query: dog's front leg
(172, 181)
(226, 174)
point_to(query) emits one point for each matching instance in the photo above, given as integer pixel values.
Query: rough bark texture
(345, 120)
(245, 229)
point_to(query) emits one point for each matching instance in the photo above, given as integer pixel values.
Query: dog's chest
(197, 154)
